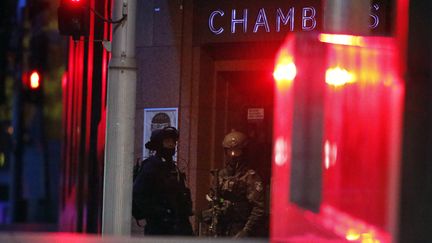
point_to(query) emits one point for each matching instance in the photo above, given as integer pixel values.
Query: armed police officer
(236, 195)
(160, 195)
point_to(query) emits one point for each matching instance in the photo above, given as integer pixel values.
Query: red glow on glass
(365, 128)
(34, 80)
(351, 228)
(338, 77)
(330, 154)
(285, 69)
(374, 64)
(281, 151)
(64, 79)
(349, 40)
(362, 112)
(285, 72)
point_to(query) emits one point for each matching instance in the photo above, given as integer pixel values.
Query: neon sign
(239, 19)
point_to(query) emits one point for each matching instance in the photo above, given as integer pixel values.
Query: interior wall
(159, 59)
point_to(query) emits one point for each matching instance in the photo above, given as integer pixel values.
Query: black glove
(207, 215)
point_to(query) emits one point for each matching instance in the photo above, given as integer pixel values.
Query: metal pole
(18, 209)
(120, 130)
(347, 16)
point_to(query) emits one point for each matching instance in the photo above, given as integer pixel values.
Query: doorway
(244, 102)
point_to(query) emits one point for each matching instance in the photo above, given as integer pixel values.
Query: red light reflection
(349, 40)
(350, 228)
(330, 154)
(64, 79)
(281, 151)
(285, 69)
(285, 72)
(338, 77)
(362, 110)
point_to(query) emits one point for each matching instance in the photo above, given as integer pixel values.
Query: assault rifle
(216, 206)
(219, 207)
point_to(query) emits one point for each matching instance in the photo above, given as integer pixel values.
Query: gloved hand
(161, 213)
(140, 222)
(207, 215)
(241, 234)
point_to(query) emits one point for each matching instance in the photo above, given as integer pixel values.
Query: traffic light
(73, 18)
(32, 86)
(34, 80)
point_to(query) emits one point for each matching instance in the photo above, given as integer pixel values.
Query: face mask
(168, 148)
(167, 153)
(235, 162)
(233, 156)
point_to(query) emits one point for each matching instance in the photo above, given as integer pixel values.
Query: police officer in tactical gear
(236, 195)
(160, 195)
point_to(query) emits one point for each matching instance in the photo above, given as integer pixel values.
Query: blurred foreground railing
(18, 237)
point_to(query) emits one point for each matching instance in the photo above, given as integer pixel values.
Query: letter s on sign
(374, 16)
(211, 22)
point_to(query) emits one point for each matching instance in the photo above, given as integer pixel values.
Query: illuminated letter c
(211, 22)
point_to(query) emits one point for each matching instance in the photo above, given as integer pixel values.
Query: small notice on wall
(255, 114)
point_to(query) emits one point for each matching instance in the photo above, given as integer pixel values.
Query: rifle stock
(216, 207)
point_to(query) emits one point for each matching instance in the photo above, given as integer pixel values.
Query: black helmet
(159, 135)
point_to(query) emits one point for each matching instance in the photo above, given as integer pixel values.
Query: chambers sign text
(239, 20)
